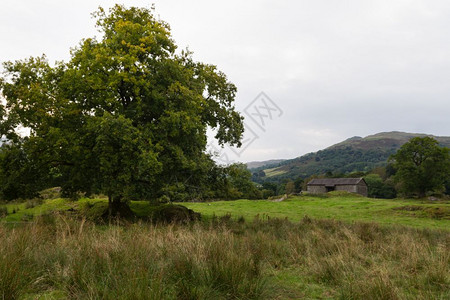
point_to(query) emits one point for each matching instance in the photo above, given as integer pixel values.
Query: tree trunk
(118, 208)
(109, 206)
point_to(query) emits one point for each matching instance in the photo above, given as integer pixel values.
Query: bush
(164, 199)
(377, 188)
(267, 193)
(51, 193)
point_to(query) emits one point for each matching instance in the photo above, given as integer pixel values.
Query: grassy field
(273, 172)
(414, 213)
(26, 211)
(60, 257)
(302, 248)
(344, 207)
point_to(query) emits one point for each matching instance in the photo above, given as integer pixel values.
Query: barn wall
(359, 189)
(362, 189)
(347, 188)
(316, 189)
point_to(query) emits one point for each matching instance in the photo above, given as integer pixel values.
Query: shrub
(267, 193)
(51, 193)
(164, 199)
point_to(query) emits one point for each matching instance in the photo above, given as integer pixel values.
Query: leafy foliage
(240, 179)
(377, 188)
(422, 166)
(126, 116)
(290, 187)
(19, 173)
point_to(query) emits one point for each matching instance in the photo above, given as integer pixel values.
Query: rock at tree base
(173, 213)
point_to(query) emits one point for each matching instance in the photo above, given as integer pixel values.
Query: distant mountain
(387, 139)
(352, 155)
(258, 164)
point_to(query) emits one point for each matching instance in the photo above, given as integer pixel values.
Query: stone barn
(325, 185)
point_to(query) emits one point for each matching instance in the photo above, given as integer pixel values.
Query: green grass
(18, 212)
(221, 258)
(276, 253)
(345, 208)
(92, 209)
(273, 172)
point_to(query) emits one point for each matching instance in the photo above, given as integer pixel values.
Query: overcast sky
(329, 69)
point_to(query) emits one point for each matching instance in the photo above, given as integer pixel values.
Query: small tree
(289, 187)
(298, 184)
(422, 166)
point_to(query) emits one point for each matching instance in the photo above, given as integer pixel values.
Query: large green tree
(126, 116)
(421, 166)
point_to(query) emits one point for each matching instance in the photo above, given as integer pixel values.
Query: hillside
(352, 155)
(258, 164)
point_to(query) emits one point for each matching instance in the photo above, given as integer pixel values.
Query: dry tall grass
(222, 259)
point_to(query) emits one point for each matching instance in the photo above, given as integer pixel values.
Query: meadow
(340, 206)
(302, 248)
(336, 205)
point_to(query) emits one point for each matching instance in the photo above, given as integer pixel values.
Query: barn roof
(335, 181)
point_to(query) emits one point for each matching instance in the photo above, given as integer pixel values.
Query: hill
(352, 155)
(257, 164)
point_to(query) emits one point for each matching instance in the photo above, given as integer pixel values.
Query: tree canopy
(126, 116)
(421, 166)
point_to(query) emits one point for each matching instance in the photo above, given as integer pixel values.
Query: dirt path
(280, 199)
